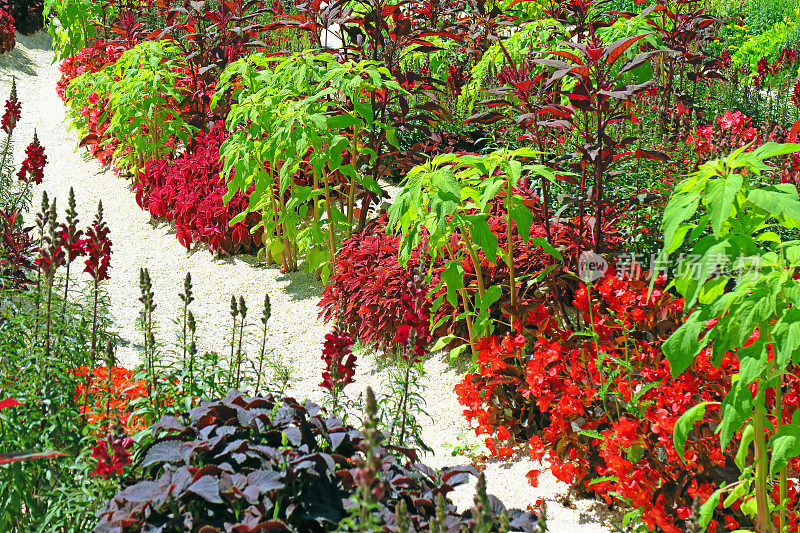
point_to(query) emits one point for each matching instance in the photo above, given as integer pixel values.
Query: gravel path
(295, 334)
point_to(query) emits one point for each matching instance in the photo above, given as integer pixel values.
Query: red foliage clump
(367, 290)
(7, 38)
(606, 407)
(188, 191)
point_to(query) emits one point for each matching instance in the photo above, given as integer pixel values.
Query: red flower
(98, 248)
(340, 362)
(109, 463)
(13, 110)
(32, 169)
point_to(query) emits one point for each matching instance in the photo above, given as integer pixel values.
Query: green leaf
(684, 344)
(736, 410)
(781, 199)
(679, 209)
(489, 297)
(748, 435)
(442, 342)
(340, 122)
(685, 424)
(483, 236)
(720, 195)
(708, 507)
(785, 444)
(453, 277)
(457, 351)
(523, 218)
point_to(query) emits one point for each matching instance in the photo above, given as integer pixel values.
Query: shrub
(366, 290)
(7, 39)
(255, 464)
(189, 190)
(27, 14)
(601, 405)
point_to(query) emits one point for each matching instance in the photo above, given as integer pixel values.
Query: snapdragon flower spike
(98, 248)
(13, 110)
(32, 170)
(51, 251)
(416, 317)
(340, 362)
(70, 234)
(112, 455)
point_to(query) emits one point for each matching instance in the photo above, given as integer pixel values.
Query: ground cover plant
(593, 205)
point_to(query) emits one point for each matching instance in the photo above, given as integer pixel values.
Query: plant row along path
(294, 330)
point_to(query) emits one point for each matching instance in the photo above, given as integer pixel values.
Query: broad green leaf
(736, 410)
(523, 218)
(453, 277)
(685, 424)
(720, 195)
(785, 444)
(483, 236)
(708, 507)
(684, 344)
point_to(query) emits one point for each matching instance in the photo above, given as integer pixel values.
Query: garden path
(295, 334)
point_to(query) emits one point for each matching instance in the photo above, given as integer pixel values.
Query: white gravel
(294, 331)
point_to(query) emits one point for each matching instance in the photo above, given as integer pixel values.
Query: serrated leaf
(685, 424)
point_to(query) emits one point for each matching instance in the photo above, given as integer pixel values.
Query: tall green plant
(728, 216)
(306, 116)
(449, 197)
(72, 24)
(143, 93)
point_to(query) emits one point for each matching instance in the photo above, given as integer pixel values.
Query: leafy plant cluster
(248, 463)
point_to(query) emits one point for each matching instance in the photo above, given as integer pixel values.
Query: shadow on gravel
(40, 40)
(16, 63)
(301, 285)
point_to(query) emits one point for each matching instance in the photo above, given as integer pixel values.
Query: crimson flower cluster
(416, 321)
(605, 409)
(32, 169)
(730, 131)
(112, 454)
(340, 362)
(98, 248)
(7, 38)
(13, 111)
(458, 76)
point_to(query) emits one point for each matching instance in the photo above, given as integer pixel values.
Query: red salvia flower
(32, 169)
(796, 94)
(98, 248)
(13, 110)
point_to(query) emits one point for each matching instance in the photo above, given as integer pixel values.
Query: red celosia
(13, 111)
(112, 455)
(416, 321)
(457, 77)
(32, 169)
(340, 362)
(98, 248)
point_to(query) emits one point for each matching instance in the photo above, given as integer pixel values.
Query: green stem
(782, 475)
(761, 461)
